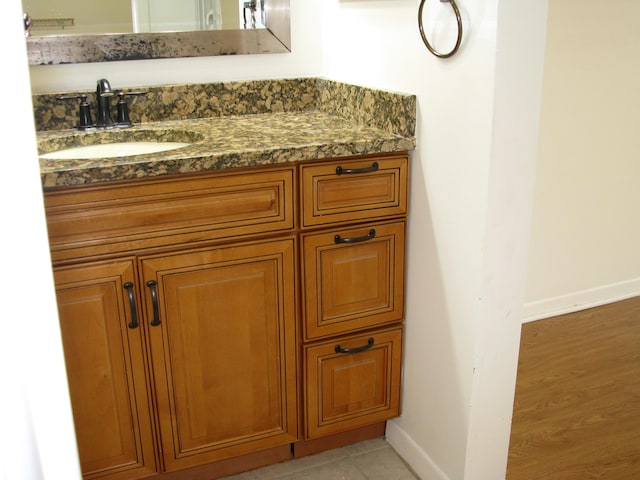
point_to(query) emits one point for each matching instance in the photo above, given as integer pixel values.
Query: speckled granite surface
(232, 124)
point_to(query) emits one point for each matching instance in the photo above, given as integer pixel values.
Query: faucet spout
(104, 88)
(103, 94)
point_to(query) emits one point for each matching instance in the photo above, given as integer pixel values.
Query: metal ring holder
(456, 10)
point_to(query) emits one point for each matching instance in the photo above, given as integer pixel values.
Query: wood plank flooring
(577, 404)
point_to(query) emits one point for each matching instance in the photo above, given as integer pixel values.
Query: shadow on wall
(432, 376)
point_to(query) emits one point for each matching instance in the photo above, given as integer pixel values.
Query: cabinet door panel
(103, 219)
(225, 351)
(105, 368)
(350, 390)
(353, 285)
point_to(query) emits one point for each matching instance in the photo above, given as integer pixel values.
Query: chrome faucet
(103, 96)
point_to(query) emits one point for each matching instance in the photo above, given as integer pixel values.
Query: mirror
(145, 29)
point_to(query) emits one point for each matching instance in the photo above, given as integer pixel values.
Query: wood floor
(577, 405)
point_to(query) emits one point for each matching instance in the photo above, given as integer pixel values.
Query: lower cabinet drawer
(352, 382)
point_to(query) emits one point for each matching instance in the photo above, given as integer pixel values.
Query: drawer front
(353, 278)
(154, 213)
(352, 190)
(348, 390)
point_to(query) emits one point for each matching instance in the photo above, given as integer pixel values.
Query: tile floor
(368, 460)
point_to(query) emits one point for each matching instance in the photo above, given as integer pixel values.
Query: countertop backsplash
(389, 111)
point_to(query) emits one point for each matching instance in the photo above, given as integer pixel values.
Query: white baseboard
(409, 450)
(580, 300)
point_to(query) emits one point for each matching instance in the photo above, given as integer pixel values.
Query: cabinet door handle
(352, 171)
(371, 235)
(152, 284)
(132, 304)
(369, 344)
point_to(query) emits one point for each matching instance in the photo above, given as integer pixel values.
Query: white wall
(37, 440)
(586, 228)
(472, 183)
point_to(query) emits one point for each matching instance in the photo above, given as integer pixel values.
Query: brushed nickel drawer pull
(369, 344)
(370, 236)
(352, 171)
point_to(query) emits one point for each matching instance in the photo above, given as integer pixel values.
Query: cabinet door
(104, 354)
(223, 350)
(352, 382)
(353, 278)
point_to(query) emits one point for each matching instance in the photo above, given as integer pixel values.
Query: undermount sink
(114, 143)
(113, 150)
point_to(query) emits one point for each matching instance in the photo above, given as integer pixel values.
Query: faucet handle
(122, 119)
(84, 114)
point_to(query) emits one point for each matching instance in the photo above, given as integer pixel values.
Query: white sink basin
(112, 150)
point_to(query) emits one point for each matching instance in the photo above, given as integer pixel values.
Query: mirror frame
(62, 49)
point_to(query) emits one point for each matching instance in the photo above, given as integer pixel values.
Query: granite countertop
(222, 142)
(226, 142)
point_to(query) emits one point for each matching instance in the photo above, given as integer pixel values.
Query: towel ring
(456, 10)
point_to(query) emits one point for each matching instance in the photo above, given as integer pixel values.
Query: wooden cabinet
(352, 268)
(105, 356)
(223, 350)
(211, 321)
(179, 333)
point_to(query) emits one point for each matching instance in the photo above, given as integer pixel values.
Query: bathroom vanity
(240, 300)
